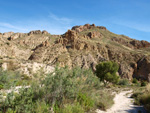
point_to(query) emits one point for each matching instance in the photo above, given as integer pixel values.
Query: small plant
(106, 101)
(135, 81)
(143, 83)
(71, 108)
(25, 77)
(143, 97)
(124, 82)
(1, 86)
(148, 87)
(41, 107)
(85, 101)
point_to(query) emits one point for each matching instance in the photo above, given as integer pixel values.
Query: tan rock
(82, 28)
(45, 32)
(7, 34)
(46, 43)
(126, 71)
(35, 32)
(94, 34)
(102, 27)
(15, 36)
(79, 45)
(140, 44)
(32, 68)
(4, 66)
(1, 35)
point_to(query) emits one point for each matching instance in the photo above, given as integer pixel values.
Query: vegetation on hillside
(72, 91)
(11, 78)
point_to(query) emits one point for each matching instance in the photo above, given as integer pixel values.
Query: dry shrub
(148, 88)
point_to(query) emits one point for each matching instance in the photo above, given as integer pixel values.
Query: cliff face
(83, 46)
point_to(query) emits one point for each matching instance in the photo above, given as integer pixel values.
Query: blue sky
(128, 17)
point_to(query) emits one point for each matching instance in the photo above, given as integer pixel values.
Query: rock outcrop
(1, 35)
(86, 27)
(45, 32)
(7, 35)
(143, 69)
(95, 34)
(140, 44)
(35, 32)
(136, 44)
(15, 36)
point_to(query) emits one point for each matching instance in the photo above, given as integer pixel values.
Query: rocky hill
(83, 46)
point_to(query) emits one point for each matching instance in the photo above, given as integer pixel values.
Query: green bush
(11, 111)
(1, 86)
(71, 108)
(85, 101)
(10, 79)
(41, 107)
(135, 81)
(106, 101)
(143, 97)
(143, 83)
(106, 72)
(19, 83)
(124, 82)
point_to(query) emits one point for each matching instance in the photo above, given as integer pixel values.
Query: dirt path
(124, 104)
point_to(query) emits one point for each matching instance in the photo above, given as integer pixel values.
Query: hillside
(83, 46)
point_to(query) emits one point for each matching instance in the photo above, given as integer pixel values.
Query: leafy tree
(106, 72)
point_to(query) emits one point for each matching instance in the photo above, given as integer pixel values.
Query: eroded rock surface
(83, 46)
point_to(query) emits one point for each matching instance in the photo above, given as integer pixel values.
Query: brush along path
(124, 104)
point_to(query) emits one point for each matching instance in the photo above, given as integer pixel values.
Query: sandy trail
(124, 104)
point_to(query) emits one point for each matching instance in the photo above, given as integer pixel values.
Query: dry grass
(148, 88)
(142, 96)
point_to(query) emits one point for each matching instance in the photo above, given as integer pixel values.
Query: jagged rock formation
(83, 46)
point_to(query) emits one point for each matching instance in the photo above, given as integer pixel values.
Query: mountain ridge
(83, 46)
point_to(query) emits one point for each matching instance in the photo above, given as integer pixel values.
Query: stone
(15, 36)
(4, 66)
(94, 34)
(7, 34)
(102, 27)
(35, 32)
(140, 44)
(45, 32)
(32, 68)
(85, 27)
(1, 35)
